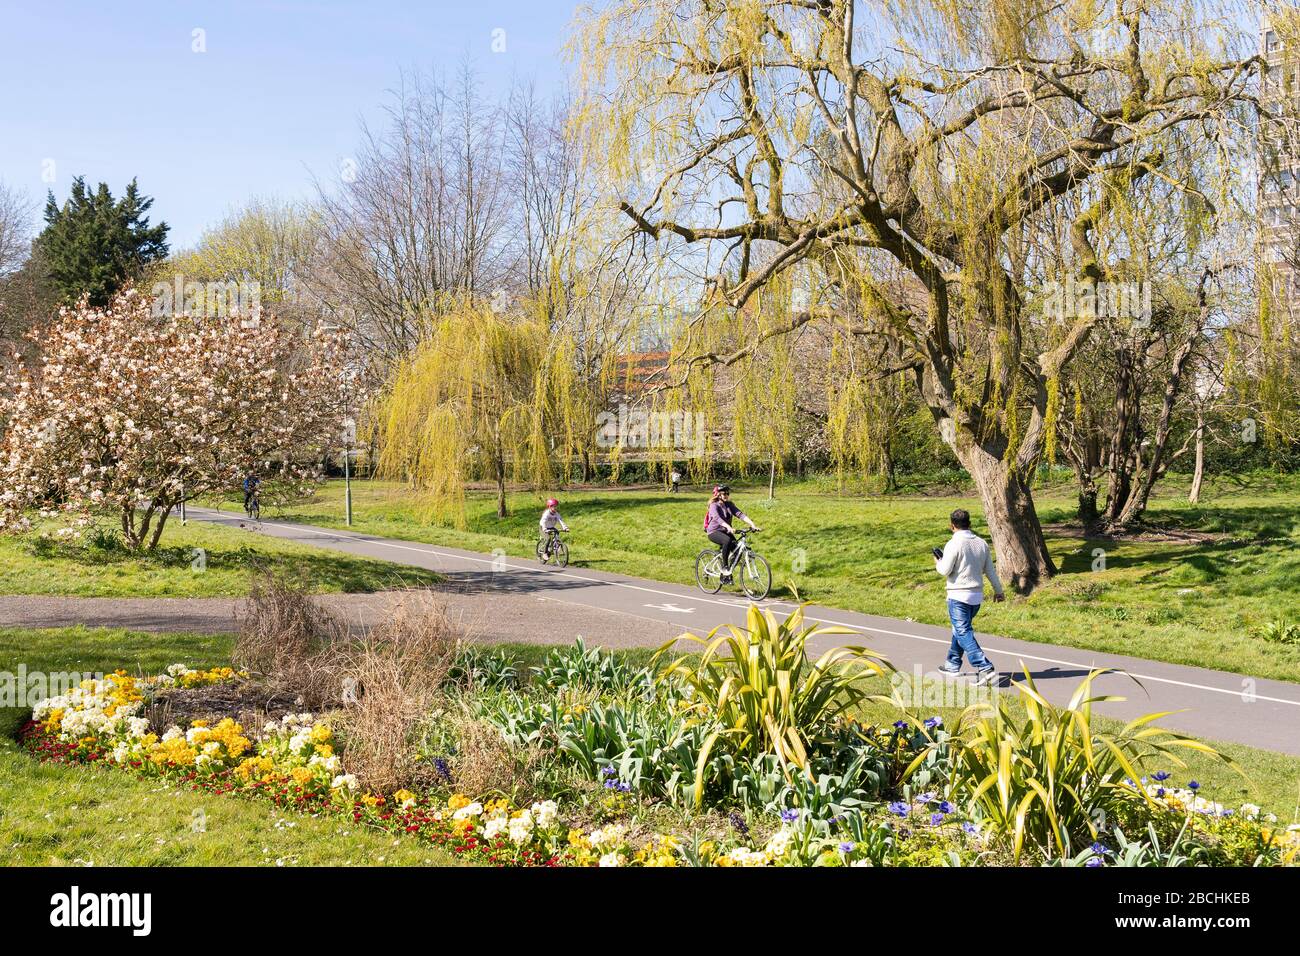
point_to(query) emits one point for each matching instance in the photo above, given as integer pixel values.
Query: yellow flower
(325, 750)
(370, 800)
(300, 775)
(320, 734)
(457, 801)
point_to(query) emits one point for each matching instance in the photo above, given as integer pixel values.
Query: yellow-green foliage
(759, 683)
(483, 396)
(1050, 779)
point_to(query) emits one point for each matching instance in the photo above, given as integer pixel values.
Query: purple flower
(1193, 785)
(900, 725)
(945, 807)
(933, 722)
(789, 816)
(847, 847)
(925, 798)
(608, 771)
(898, 808)
(936, 819)
(969, 828)
(1100, 849)
(1160, 791)
(1095, 861)
(1160, 776)
(738, 822)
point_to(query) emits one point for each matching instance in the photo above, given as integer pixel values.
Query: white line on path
(820, 620)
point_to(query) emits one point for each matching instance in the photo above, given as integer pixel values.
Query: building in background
(1279, 151)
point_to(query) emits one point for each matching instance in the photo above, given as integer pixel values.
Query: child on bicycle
(718, 525)
(550, 521)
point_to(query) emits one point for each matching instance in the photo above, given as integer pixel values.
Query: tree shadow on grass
(320, 571)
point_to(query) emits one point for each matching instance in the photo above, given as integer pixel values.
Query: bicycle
(551, 545)
(254, 507)
(752, 568)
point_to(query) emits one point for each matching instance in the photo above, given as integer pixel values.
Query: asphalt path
(1206, 703)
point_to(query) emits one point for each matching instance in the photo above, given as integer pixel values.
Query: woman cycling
(717, 525)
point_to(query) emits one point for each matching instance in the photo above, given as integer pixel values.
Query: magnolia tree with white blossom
(130, 414)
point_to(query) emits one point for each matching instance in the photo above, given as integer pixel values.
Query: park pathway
(1213, 704)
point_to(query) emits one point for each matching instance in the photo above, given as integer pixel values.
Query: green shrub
(1050, 779)
(757, 687)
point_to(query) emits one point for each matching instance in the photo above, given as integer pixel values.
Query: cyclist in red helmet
(551, 521)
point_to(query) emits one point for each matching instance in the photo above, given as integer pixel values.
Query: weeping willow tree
(482, 396)
(949, 130)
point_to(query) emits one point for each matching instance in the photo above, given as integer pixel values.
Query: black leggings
(725, 541)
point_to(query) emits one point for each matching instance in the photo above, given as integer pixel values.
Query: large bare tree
(949, 129)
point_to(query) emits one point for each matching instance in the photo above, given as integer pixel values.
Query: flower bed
(634, 774)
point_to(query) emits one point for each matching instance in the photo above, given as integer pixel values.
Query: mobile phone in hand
(937, 552)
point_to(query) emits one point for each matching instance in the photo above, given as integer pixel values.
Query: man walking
(965, 561)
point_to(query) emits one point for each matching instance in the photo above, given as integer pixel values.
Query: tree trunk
(1194, 496)
(499, 462)
(771, 480)
(1022, 557)
(1088, 514)
(158, 528)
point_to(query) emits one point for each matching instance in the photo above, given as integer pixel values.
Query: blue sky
(113, 90)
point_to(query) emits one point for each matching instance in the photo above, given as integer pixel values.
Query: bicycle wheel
(756, 576)
(560, 552)
(255, 510)
(708, 571)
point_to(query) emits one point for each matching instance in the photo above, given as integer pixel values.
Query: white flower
(472, 810)
(344, 782)
(779, 843)
(607, 835)
(521, 828)
(545, 813)
(742, 856)
(495, 827)
(611, 859)
(1250, 811)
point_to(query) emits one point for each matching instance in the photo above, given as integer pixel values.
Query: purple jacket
(721, 511)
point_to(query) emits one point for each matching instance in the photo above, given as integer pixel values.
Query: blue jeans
(963, 636)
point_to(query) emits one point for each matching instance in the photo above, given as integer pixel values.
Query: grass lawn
(56, 815)
(1196, 597)
(230, 557)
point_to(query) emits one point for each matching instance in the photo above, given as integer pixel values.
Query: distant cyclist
(251, 485)
(551, 520)
(718, 525)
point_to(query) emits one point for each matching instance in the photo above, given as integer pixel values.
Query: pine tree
(94, 244)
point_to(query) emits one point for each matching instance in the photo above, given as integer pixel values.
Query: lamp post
(349, 437)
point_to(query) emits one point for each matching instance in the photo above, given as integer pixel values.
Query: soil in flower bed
(249, 703)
